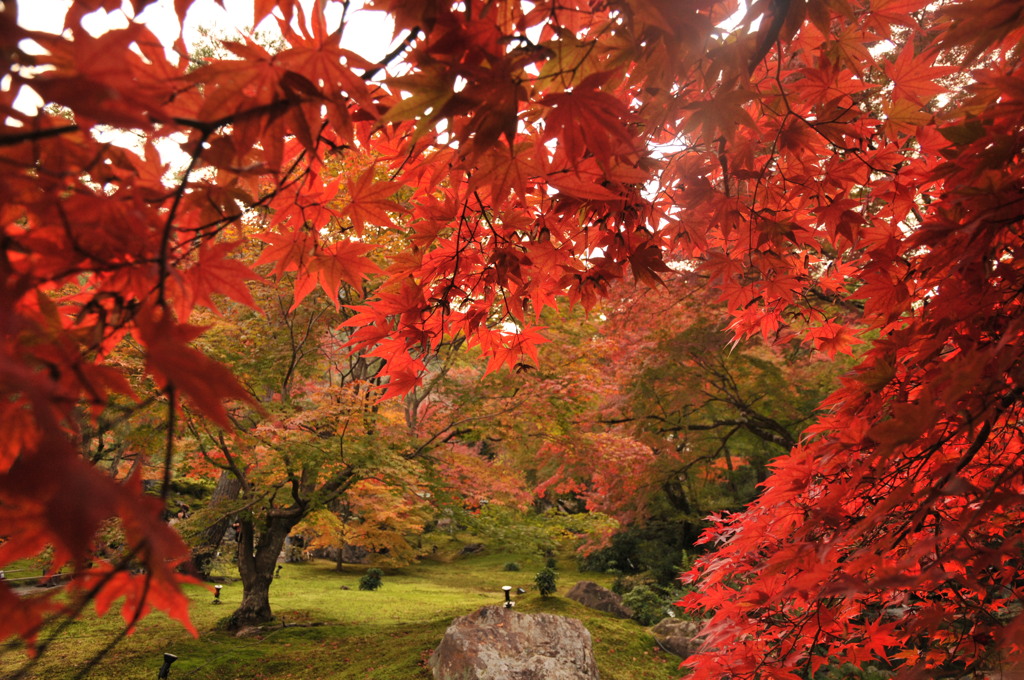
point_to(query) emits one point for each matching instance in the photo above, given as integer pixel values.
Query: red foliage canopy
(842, 169)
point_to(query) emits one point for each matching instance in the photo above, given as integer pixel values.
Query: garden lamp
(166, 668)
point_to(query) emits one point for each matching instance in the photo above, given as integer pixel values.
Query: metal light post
(508, 596)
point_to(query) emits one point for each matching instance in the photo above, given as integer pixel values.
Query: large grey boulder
(495, 643)
(589, 594)
(678, 636)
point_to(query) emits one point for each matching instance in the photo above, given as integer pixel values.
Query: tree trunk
(257, 560)
(340, 507)
(205, 549)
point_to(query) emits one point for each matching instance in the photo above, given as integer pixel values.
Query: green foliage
(210, 45)
(194, 488)
(546, 581)
(653, 547)
(627, 582)
(551, 563)
(511, 566)
(528, 532)
(648, 605)
(372, 579)
(849, 671)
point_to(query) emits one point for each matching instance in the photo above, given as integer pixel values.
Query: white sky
(367, 33)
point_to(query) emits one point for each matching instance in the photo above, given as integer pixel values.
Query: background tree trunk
(340, 508)
(205, 549)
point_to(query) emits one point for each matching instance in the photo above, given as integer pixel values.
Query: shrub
(551, 564)
(371, 580)
(654, 548)
(627, 582)
(647, 605)
(511, 566)
(545, 580)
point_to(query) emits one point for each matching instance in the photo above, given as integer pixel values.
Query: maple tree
(845, 171)
(297, 445)
(321, 437)
(644, 412)
(711, 414)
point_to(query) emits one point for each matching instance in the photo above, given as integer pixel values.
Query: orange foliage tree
(844, 170)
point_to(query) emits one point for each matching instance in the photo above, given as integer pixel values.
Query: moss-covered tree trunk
(257, 560)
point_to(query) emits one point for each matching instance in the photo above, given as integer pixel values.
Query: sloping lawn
(328, 629)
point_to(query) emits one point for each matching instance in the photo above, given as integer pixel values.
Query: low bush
(648, 605)
(372, 579)
(546, 580)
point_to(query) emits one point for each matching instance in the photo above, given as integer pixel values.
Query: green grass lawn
(331, 633)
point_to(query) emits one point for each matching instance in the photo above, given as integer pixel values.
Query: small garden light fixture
(166, 668)
(216, 594)
(508, 596)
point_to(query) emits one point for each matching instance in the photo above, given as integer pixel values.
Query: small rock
(249, 632)
(678, 636)
(589, 594)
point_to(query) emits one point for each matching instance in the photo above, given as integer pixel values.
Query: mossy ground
(325, 632)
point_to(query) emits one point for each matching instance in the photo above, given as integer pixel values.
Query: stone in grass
(496, 643)
(589, 594)
(249, 632)
(678, 636)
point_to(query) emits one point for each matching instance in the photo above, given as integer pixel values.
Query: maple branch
(413, 33)
(233, 511)
(11, 140)
(764, 428)
(129, 625)
(296, 488)
(71, 614)
(338, 485)
(172, 404)
(769, 33)
(453, 425)
(165, 241)
(936, 489)
(344, 18)
(295, 345)
(232, 464)
(836, 299)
